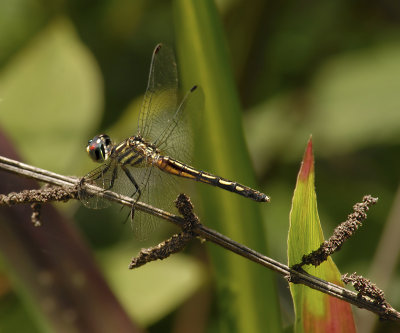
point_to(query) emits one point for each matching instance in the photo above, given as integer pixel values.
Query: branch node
(174, 244)
(294, 278)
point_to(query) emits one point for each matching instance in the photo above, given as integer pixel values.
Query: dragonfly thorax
(144, 149)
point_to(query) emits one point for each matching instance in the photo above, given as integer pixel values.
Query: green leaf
(352, 103)
(171, 282)
(356, 99)
(247, 300)
(50, 96)
(315, 311)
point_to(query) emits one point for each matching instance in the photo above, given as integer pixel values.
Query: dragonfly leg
(81, 182)
(138, 191)
(113, 177)
(133, 181)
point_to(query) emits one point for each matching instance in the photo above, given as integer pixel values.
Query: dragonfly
(142, 164)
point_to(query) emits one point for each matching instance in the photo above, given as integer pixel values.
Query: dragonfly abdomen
(177, 168)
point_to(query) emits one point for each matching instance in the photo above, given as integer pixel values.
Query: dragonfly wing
(103, 177)
(161, 95)
(142, 223)
(160, 191)
(175, 139)
(162, 120)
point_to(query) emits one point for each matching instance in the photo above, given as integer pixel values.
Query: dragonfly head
(99, 148)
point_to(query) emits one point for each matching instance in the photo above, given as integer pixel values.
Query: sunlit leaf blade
(315, 311)
(246, 295)
(158, 288)
(50, 96)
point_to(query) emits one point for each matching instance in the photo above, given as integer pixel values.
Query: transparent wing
(164, 118)
(176, 138)
(160, 191)
(101, 177)
(156, 188)
(160, 99)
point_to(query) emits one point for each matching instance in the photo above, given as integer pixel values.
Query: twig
(213, 236)
(172, 245)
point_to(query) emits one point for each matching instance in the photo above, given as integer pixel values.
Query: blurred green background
(71, 69)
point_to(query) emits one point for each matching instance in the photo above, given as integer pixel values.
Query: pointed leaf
(315, 311)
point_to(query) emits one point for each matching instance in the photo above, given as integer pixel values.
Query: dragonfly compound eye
(98, 148)
(107, 141)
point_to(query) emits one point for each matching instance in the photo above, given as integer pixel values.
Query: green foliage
(171, 282)
(51, 97)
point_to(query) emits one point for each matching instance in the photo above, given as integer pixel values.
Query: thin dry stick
(331, 289)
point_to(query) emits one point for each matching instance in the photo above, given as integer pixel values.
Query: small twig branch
(365, 288)
(177, 242)
(72, 184)
(342, 233)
